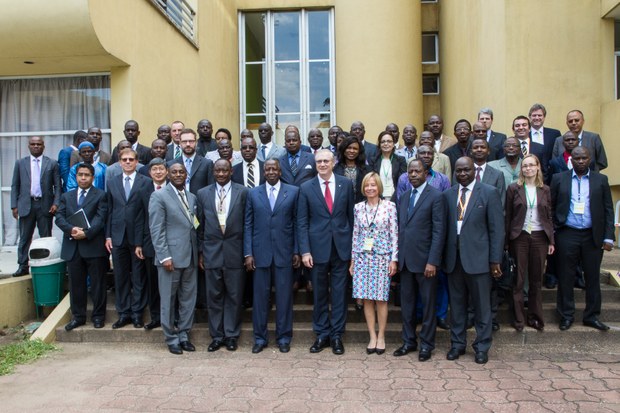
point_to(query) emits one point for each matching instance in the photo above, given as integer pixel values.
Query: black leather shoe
(21, 271)
(121, 322)
(284, 347)
(338, 347)
(565, 324)
(137, 322)
(319, 344)
(454, 353)
(152, 325)
(443, 324)
(215, 345)
(370, 350)
(495, 326)
(74, 324)
(175, 349)
(98, 323)
(231, 344)
(596, 324)
(424, 354)
(535, 324)
(481, 357)
(403, 350)
(187, 346)
(258, 347)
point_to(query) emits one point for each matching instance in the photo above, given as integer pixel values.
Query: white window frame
(269, 72)
(436, 38)
(436, 75)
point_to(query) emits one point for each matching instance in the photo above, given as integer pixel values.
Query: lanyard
(532, 202)
(371, 223)
(222, 196)
(464, 206)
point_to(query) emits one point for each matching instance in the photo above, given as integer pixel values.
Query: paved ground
(118, 378)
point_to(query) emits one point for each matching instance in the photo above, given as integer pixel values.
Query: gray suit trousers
(180, 283)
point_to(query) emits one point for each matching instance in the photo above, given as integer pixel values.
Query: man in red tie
(325, 222)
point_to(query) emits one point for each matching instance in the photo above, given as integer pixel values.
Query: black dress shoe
(231, 344)
(370, 350)
(454, 353)
(319, 344)
(338, 347)
(535, 324)
(121, 322)
(151, 325)
(379, 351)
(284, 347)
(443, 324)
(424, 354)
(596, 324)
(517, 327)
(74, 324)
(495, 326)
(215, 345)
(137, 322)
(187, 346)
(481, 357)
(21, 271)
(98, 323)
(565, 324)
(258, 347)
(175, 349)
(403, 350)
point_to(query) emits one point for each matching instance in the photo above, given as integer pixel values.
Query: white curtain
(56, 107)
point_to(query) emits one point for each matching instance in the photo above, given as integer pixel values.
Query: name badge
(368, 244)
(221, 218)
(579, 208)
(196, 223)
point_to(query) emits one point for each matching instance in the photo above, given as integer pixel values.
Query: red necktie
(158, 187)
(328, 197)
(478, 170)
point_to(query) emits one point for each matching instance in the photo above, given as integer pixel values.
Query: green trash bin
(48, 271)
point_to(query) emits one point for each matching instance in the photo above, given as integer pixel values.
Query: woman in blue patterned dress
(375, 256)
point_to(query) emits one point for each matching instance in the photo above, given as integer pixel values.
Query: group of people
(192, 223)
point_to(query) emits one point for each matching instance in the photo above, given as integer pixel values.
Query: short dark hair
(226, 131)
(87, 166)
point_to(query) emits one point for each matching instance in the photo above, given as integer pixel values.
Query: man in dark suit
(590, 140)
(584, 224)
(539, 133)
(84, 248)
(315, 140)
(421, 218)
(132, 132)
(359, 131)
(462, 131)
(124, 194)
(297, 166)
(205, 142)
(270, 250)
(35, 196)
(332, 136)
(521, 129)
(267, 148)
(174, 149)
(158, 150)
(248, 173)
(325, 224)
(473, 249)
(221, 209)
(172, 221)
(163, 132)
(495, 139)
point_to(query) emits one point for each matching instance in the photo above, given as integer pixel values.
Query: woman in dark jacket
(352, 164)
(388, 165)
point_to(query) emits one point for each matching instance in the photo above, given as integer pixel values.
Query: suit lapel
(420, 201)
(280, 199)
(471, 204)
(316, 185)
(172, 193)
(234, 194)
(264, 198)
(196, 165)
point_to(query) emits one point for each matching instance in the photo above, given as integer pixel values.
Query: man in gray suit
(267, 148)
(590, 140)
(172, 221)
(35, 196)
(221, 210)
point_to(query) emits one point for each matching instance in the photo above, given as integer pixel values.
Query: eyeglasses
(323, 161)
(248, 147)
(128, 159)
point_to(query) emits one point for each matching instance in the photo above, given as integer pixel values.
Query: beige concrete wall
(16, 301)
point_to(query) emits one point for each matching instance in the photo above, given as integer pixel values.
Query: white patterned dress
(371, 279)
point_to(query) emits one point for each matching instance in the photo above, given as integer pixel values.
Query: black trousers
(129, 281)
(79, 270)
(413, 286)
(36, 218)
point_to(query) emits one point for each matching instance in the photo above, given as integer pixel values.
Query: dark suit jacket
(357, 185)
(142, 229)
(170, 152)
(237, 174)
(399, 167)
(482, 234)
(125, 214)
(271, 236)
(601, 206)
(201, 174)
(144, 154)
(516, 209)
(496, 143)
(543, 156)
(221, 250)
(20, 186)
(549, 137)
(202, 146)
(371, 151)
(454, 153)
(556, 165)
(95, 207)
(318, 229)
(421, 236)
(589, 140)
(306, 169)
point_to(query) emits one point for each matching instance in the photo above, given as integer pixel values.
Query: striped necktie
(251, 183)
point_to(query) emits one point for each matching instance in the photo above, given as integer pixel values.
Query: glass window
(287, 69)
(430, 48)
(430, 84)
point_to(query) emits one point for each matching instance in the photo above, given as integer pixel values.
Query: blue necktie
(294, 165)
(272, 198)
(127, 187)
(262, 151)
(412, 198)
(82, 198)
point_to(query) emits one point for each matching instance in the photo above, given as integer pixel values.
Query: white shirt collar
(276, 186)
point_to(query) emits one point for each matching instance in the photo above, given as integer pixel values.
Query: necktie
(177, 151)
(222, 197)
(82, 197)
(328, 197)
(127, 187)
(262, 151)
(184, 202)
(272, 197)
(569, 164)
(412, 198)
(478, 170)
(409, 153)
(35, 182)
(188, 166)
(524, 148)
(250, 183)
(294, 165)
(158, 187)
(460, 208)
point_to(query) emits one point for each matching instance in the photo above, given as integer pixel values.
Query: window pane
(255, 37)
(320, 121)
(254, 89)
(318, 73)
(282, 121)
(287, 87)
(252, 123)
(318, 34)
(286, 36)
(429, 48)
(430, 84)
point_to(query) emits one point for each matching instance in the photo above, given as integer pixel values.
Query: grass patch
(21, 353)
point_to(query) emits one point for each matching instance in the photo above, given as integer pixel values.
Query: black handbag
(509, 273)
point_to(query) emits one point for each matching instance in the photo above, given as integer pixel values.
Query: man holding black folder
(81, 217)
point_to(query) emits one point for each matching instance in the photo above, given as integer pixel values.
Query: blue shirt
(99, 181)
(580, 192)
